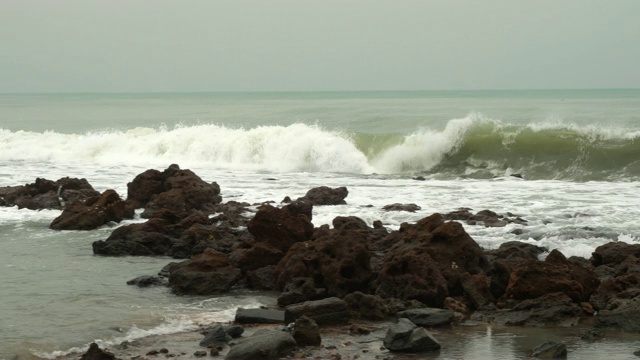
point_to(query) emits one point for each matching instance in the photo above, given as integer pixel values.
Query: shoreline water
(462, 341)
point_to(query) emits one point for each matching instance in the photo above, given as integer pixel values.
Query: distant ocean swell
(471, 147)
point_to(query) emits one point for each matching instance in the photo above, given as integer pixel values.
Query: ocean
(576, 154)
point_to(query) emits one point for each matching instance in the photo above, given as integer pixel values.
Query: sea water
(576, 154)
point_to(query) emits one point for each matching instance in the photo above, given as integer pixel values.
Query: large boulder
(325, 195)
(338, 262)
(93, 213)
(180, 191)
(47, 194)
(427, 259)
(205, 274)
(534, 278)
(614, 253)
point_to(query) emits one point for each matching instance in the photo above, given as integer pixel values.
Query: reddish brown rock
(614, 253)
(205, 274)
(338, 262)
(280, 227)
(180, 191)
(325, 195)
(427, 260)
(532, 278)
(476, 289)
(609, 292)
(93, 213)
(47, 194)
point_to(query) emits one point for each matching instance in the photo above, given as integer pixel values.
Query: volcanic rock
(204, 274)
(324, 195)
(405, 336)
(533, 278)
(93, 212)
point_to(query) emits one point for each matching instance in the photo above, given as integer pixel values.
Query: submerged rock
(550, 350)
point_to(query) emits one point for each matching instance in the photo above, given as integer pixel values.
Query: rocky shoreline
(375, 274)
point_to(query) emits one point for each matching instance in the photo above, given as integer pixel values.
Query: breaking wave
(470, 147)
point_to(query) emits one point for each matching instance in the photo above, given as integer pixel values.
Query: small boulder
(263, 344)
(305, 332)
(215, 336)
(324, 195)
(406, 336)
(401, 207)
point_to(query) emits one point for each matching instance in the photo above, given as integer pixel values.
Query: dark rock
(625, 316)
(365, 306)
(402, 207)
(263, 344)
(517, 249)
(592, 335)
(299, 290)
(280, 228)
(419, 178)
(200, 353)
(147, 281)
(215, 336)
(204, 274)
(614, 253)
(324, 195)
(234, 330)
(405, 336)
(550, 350)
(262, 278)
(153, 237)
(93, 213)
(326, 311)
(306, 332)
(338, 261)
(607, 296)
(47, 194)
(428, 317)
(177, 190)
(427, 260)
(532, 278)
(549, 309)
(95, 353)
(477, 289)
(259, 316)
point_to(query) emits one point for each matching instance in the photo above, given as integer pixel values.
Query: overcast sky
(282, 45)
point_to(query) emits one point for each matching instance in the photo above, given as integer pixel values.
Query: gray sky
(281, 45)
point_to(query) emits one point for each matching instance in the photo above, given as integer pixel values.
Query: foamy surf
(470, 147)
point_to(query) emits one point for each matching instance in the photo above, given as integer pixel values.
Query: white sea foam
(425, 148)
